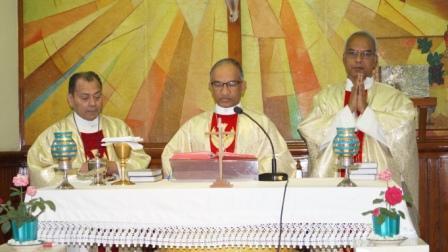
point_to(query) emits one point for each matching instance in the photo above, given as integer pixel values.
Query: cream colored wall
(9, 77)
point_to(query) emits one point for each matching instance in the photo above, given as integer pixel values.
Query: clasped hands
(358, 97)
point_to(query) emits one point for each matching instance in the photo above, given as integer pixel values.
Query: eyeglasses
(229, 84)
(353, 54)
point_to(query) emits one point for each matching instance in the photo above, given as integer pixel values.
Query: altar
(187, 215)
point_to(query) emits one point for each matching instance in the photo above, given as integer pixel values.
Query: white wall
(9, 76)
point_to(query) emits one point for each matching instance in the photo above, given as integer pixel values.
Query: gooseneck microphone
(270, 176)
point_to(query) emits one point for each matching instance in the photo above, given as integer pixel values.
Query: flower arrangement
(392, 196)
(25, 211)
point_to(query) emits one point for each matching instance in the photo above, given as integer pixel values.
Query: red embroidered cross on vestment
(92, 141)
(230, 123)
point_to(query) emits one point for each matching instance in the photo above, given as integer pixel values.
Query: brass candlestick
(123, 151)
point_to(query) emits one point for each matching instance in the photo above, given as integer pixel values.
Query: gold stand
(123, 151)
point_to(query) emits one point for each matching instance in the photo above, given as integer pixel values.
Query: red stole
(358, 157)
(230, 122)
(92, 141)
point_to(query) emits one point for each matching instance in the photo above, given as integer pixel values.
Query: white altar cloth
(179, 214)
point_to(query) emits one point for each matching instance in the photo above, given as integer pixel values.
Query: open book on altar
(204, 166)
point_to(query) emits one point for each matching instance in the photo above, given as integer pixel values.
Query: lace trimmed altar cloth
(187, 215)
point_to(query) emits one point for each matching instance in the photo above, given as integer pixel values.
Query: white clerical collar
(368, 83)
(86, 126)
(225, 111)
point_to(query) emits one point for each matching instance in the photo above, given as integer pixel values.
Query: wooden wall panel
(443, 192)
(433, 194)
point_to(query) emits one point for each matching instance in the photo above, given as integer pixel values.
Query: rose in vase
(25, 211)
(391, 197)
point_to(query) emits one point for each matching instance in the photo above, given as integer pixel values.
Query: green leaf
(388, 213)
(15, 189)
(424, 45)
(368, 212)
(6, 226)
(377, 201)
(33, 208)
(40, 205)
(408, 199)
(434, 59)
(51, 205)
(380, 219)
(401, 214)
(13, 194)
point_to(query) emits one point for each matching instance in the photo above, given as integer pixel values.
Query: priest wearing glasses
(88, 127)
(383, 117)
(227, 86)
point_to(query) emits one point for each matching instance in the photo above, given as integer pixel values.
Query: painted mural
(154, 55)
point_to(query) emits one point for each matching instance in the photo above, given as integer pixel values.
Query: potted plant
(23, 218)
(386, 219)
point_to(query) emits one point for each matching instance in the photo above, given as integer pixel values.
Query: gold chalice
(123, 151)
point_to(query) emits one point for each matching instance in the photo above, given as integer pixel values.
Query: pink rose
(393, 195)
(20, 180)
(31, 191)
(376, 212)
(385, 175)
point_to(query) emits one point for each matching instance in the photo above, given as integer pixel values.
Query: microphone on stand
(270, 176)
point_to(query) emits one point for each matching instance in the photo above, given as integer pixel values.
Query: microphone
(270, 176)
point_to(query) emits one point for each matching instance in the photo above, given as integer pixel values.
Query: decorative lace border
(293, 234)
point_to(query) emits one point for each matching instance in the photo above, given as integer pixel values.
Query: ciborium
(97, 169)
(123, 151)
(63, 150)
(346, 145)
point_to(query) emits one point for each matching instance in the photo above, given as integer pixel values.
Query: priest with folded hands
(88, 127)
(227, 86)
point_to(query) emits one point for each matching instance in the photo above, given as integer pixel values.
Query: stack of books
(145, 175)
(364, 171)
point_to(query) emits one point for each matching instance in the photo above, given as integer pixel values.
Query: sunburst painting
(154, 56)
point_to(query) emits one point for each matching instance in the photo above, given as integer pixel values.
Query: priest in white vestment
(383, 116)
(88, 127)
(227, 85)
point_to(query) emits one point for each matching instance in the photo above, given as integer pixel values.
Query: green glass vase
(390, 227)
(26, 232)
(63, 149)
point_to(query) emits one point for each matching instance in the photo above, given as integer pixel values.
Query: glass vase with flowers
(386, 219)
(22, 216)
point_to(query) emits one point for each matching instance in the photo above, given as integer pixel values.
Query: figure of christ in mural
(383, 116)
(227, 86)
(88, 127)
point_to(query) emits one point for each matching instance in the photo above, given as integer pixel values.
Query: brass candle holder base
(65, 185)
(221, 183)
(65, 165)
(123, 182)
(346, 182)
